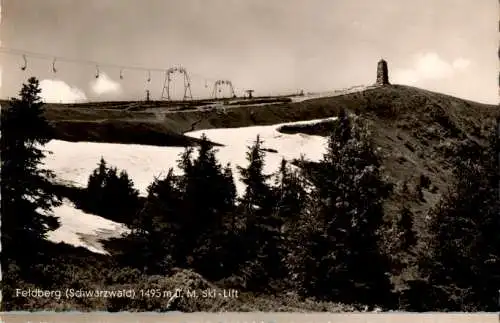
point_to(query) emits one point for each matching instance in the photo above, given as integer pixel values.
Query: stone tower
(382, 73)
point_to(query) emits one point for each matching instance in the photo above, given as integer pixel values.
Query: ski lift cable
(11, 51)
(25, 54)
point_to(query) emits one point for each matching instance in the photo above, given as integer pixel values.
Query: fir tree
(95, 188)
(291, 201)
(349, 191)
(257, 191)
(400, 236)
(231, 196)
(157, 241)
(290, 193)
(262, 226)
(208, 202)
(111, 194)
(156, 235)
(229, 186)
(27, 198)
(464, 266)
(400, 241)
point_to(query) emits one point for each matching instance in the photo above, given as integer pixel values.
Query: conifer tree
(156, 243)
(229, 186)
(290, 192)
(257, 191)
(208, 201)
(400, 236)
(262, 229)
(400, 242)
(231, 196)
(27, 197)
(95, 188)
(349, 191)
(111, 194)
(464, 266)
(291, 201)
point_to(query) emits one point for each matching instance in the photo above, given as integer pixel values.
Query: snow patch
(82, 229)
(74, 162)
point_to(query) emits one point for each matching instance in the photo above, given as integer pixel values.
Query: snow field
(81, 229)
(74, 162)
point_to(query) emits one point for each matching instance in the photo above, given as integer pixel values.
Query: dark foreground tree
(403, 240)
(290, 193)
(262, 236)
(464, 266)
(155, 242)
(291, 200)
(400, 237)
(27, 198)
(111, 194)
(341, 228)
(208, 204)
(187, 219)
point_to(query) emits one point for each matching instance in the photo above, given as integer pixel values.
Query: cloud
(105, 85)
(461, 63)
(56, 91)
(429, 66)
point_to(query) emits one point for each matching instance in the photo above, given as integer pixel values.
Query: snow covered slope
(74, 162)
(81, 229)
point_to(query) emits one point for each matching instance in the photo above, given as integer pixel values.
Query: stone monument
(382, 73)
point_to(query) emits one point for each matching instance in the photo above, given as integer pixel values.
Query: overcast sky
(272, 46)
